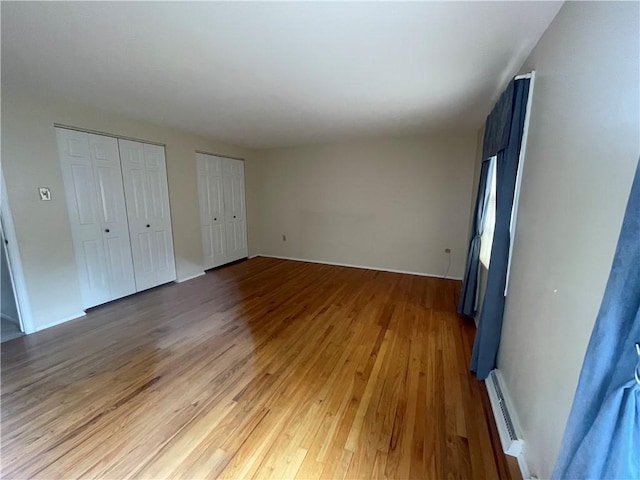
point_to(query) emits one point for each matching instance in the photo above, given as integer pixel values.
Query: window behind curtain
(486, 240)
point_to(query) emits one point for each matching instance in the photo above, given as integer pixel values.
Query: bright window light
(486, 240)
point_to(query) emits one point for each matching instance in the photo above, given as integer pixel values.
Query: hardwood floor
(266, 369)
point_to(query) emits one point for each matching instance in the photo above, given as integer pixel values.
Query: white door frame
(15, 264)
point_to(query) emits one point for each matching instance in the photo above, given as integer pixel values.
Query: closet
(147, 198)
(118, 203)
(221, 192)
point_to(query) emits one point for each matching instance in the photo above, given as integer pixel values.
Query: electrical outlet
(447, 250)
(284, 238)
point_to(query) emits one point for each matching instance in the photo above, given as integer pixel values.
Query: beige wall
(393, 203)
(582, 151)
(397, 203)
(476, 174)
(390, 203)
(30, 160)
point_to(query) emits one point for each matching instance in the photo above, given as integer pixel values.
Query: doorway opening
(10, 326)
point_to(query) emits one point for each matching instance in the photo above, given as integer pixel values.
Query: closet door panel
(135, 189)
(165, 257)
(147, 195)
(241, 238)
(239, 202)
(210, 195)
(235, 216)
(145, 246)
(231, 237)
(84, 195)
(91, 251)
(219, 244)
(84, 216)
(207, 246)
(159, 212)
(108, 176)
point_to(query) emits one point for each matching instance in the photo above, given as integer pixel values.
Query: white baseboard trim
(524, 469)
(191, 277)
(338, 264)
(60, 321)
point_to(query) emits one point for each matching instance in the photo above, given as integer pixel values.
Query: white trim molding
(15, 261)
(60, 321)
(365, 267)
(190, 277)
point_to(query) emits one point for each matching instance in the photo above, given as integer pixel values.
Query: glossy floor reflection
(266, 369)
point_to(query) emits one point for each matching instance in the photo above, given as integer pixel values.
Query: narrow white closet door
(234, 207)
(95, 200)
(147, 195)
(209, 170)
(82, 202)
(113, 214)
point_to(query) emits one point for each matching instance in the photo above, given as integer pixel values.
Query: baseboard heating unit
(508, 429)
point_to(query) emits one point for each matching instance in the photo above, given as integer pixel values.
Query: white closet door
(113, 214)
(210, 195)
(95, 200)
(234, 208)
(147, 195)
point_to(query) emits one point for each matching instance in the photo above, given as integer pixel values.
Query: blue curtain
(496, 137)
(497, 128)
(504, 124)
(469, 293)
(602, 437)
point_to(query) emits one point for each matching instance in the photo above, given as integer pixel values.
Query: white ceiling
(272, 74)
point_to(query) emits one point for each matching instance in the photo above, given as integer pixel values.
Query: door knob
(148, 225)
(106, 230)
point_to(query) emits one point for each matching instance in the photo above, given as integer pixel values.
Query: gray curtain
(503, 136)
(469, 293)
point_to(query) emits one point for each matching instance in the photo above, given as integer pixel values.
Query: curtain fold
(469, 292)
(497, 129)
(487, 340)
(602, 436)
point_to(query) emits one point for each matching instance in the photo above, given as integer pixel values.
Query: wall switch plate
(45, 193)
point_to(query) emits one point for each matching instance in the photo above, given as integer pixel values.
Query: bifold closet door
(222, 209)
(97, 213)
(212, 221)
(147, 196)
(234, 209)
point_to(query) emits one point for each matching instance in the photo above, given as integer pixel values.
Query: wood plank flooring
(264, 369)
